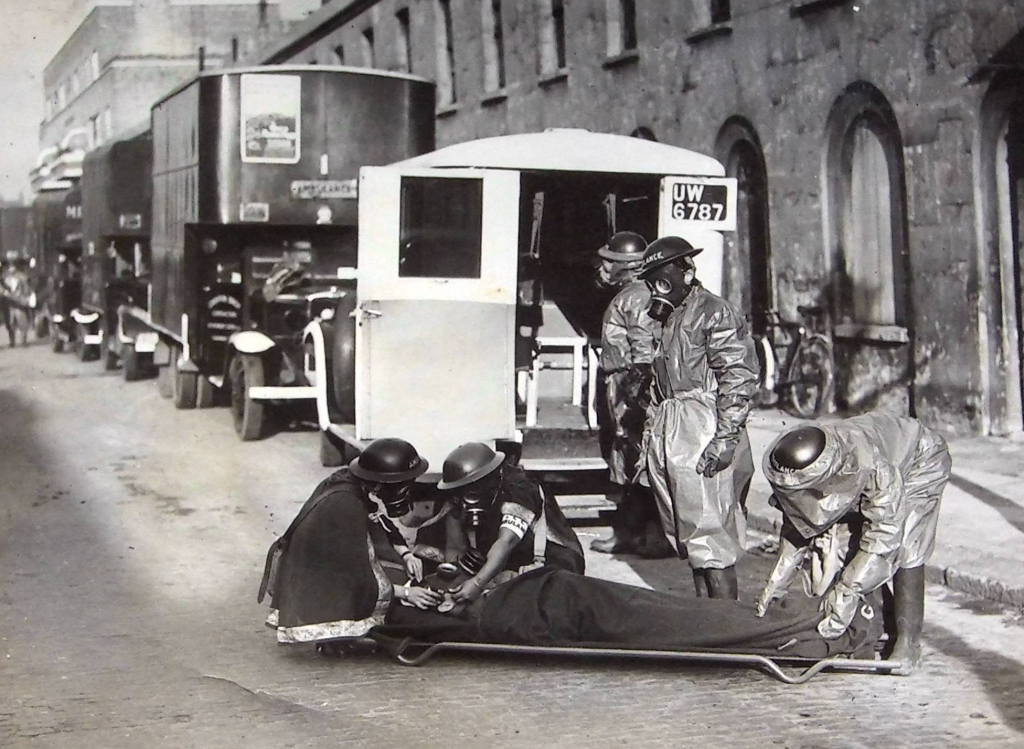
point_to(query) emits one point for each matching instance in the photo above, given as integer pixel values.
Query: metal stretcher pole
(762, 662)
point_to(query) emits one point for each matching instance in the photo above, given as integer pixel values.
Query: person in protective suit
(628, 339)
(508, 522)
(696, 450)
(324, 574)
(868, 487)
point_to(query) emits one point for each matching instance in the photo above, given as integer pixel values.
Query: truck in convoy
(476, 317)
(117, 186)
(56, 248)
(254, 221)
(15, 223)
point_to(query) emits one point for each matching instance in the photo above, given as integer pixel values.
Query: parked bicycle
(804, 383)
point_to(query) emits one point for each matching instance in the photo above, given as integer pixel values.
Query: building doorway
(747, 275)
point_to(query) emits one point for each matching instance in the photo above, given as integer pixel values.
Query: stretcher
(412, 652)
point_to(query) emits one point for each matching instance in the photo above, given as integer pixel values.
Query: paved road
(131, 543)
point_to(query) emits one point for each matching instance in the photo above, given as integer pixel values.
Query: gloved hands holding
(839, 608)
(717, 456)
(637, 384)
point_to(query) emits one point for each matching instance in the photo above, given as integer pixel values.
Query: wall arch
(748, 280)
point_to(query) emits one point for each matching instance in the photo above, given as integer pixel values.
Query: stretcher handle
(770, 666)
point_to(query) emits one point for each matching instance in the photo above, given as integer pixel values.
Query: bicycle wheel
(811, 378)
(768, 373)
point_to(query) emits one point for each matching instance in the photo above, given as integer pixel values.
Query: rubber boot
(908, 600)
(652, 544)
(624, 538)
(701, 584)
(723, 583)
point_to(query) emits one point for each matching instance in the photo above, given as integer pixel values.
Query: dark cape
(555, 608)
(328, 583)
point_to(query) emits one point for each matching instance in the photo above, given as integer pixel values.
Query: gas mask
(396, 497)
(613, 274)
(669, 285)
(477, 498)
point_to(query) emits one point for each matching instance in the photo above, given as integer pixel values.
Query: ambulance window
(442, 226)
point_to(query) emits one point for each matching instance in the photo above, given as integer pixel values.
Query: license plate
(324, 189)
(705, 202)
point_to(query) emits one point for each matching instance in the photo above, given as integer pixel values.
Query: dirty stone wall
(782, 74)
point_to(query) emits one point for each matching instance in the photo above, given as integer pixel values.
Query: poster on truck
(271, 118)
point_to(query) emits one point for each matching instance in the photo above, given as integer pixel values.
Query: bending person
(882, 477)
(508, 522)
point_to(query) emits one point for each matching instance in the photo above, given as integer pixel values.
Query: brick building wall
(124, 56)
(875, 123)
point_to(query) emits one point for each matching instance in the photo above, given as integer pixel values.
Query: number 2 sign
(707, 202)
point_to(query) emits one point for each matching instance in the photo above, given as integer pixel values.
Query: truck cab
(476, 315)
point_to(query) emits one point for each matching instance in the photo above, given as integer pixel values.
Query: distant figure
(15, 299)
(861, 497)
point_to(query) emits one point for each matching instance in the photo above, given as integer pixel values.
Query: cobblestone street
(132, 539)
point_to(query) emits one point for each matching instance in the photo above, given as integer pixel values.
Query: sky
(31, 32)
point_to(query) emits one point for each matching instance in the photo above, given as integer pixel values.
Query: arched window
(747, 275)
(867, 208)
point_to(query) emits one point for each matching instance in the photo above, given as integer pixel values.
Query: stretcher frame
(411, 652)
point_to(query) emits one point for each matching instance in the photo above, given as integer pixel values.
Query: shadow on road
(1010, 510)
(998, 675)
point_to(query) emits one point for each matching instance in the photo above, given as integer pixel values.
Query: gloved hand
(839, 607)
(787, 566)
(717, 456)
(637, 383)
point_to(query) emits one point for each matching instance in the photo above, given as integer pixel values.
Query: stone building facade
(126, 54)
(879, 146)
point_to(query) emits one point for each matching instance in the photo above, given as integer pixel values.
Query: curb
(962, 582)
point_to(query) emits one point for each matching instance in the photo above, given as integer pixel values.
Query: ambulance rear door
(436, 314)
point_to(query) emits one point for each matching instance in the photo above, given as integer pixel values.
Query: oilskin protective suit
(705, 376)
(883, 473)
(628, 339)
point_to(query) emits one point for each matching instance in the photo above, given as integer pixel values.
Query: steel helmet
(468, 463)
(388, 461)
(624, 247)
(798, 448)
(666, 250)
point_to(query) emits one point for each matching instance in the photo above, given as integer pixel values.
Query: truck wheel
(183, 384)
(133, 364)
(246, 371)
(163, 381)
(334, 452)
(206, 393)
(110, 358)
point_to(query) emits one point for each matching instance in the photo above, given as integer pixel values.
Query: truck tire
(134, 369)
(110, 358)
(334, 452)
(184, 385)
(246, 371)
(206, 393)
(163, 381)
(342, 356)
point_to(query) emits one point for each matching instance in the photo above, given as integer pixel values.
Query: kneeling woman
(327, 574)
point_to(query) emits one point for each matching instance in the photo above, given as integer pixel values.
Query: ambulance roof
(570, 150)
